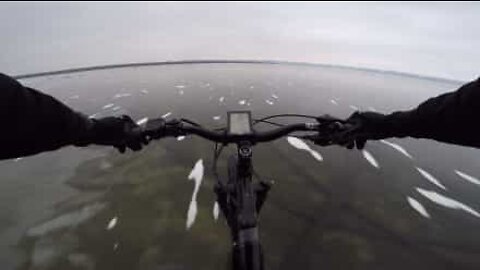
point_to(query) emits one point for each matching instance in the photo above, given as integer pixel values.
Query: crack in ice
(196, 175)
(301, 145)
(468, 177)
(430, 178)
(142, 121)
(398, 148)
(447, 202)
(216, 211)
(369, 157)
(417, 206)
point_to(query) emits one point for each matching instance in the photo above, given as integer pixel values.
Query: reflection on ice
(179, 86)
(398, 148)
(242, 102)
(142, 121)
(221, 99)
(447, 202)
(180, 138)
(418, 207)
(70, 219)
(145, 92)
(368, 156)
(196, 175)
(74, 97)
(112, 223)
(216, 211)
(216, 118)
(116, 108)
(301, 145)
(274, 96)
(355, 108)
(17, 159)
(430, 178)
(115, 246)
(333, 102)
(180, 92)
(372, 109)
(269, 102)
(108, 106)
(468, 177)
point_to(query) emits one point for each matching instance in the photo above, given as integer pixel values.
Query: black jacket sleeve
(33, 122)
(452, 118)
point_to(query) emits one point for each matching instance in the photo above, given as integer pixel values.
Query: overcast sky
(435, 39)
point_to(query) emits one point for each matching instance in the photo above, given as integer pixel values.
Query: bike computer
(239, 123)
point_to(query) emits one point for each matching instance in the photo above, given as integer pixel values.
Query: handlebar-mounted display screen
(239, 123)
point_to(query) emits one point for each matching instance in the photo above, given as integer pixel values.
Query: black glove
(120, 132)
(357, 129)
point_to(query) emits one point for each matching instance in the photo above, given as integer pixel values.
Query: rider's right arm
(452, 117)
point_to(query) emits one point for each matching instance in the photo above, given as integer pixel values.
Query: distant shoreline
(265, 62)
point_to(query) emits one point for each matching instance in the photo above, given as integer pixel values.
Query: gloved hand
(120, 132)
(358, 129)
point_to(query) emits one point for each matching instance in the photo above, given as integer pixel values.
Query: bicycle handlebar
(158, 128)
(255, 137)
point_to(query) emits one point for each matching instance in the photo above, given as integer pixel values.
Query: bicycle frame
(240, 200)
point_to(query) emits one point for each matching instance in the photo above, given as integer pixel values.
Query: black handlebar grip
(155, 128)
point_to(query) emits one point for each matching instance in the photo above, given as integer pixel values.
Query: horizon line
(225, 61)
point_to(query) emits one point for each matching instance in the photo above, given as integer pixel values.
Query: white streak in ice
(269, 102)
(167, 115)
(370, 159)
(447, 202)
(145, 92)
(216, 118)
(67, 220)
(430, 178)
(142, 121)
(108, 106)
(112, 223)
(333, 102)
(221, 99)
(180, 138)
(242, 102)
(74, 97)
(418, 207)
(216, 211)
(179, 86)
(301, 145)
(398, 148)
(468, 177)
(196, 175)
(274, 96)
(121, 95)
(355, 108)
